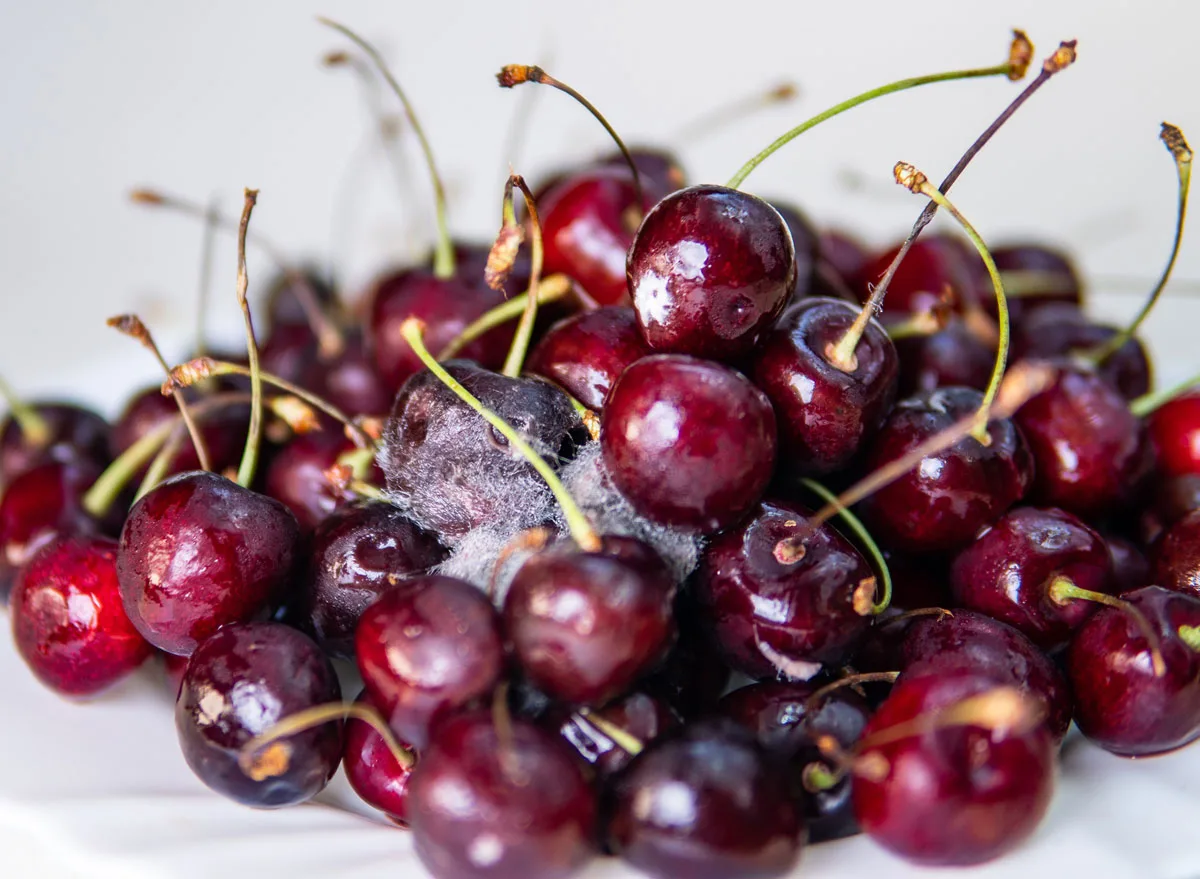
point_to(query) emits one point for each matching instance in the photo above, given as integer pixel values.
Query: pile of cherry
(1006, 557)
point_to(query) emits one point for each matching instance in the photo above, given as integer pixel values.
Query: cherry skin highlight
(373, 771)
(1176, 556)
(1175, 431)
(586, 353)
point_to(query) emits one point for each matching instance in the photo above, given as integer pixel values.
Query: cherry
(1176, 556)
(969, 641)
(289, 352)
(1059, 330)
(239, 682)
(296, 476)
(658, 169)
(1042, 276)
(198, 552)
(1026, 570)
(586, 625)
(787, 721)
(68, 622)
(780, 608)
(223, 431)
(492, 799)
(806, 244)
(950, 495)
(843, 254)
(710, 270)
(1170, 499)
(470, 265)
(586, 354)
(688, 443)
(72, 432)
(933, 263)
(426, 649)
(455, 474)
(693, 676)
(357, 553)
(942, 793)
(825, 414)
(1090, 452)
(637, 714)
(1175, 430)
(350, 380)
(373, 770)
(284, 299)
(705, 803)
(1130, 567)
(952, 356)
(1120, 703)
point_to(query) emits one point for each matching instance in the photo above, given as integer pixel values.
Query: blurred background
(203, 99)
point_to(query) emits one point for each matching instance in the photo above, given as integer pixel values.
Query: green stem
(551, 289)
(855, 524)
(627, 742)
(520, 343)
(817, 777)
(116, 476)
(1148, 402)
(443, 256)
(158, 468)
(251, 757)
(1190, 636)
(737, 179)
(581, 529)
(1063, 589)
(34, 428)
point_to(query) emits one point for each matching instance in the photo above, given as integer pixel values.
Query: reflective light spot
(803, 385)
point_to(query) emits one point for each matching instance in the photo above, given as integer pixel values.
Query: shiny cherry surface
(373, 770)
(586, 354)
(642, 716)
(1176, 556)
(1175, 431)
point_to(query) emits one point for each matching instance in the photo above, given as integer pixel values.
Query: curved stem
(581, 529)
(817, 777)
(245, 474)
(443, 256)
(1002, 710)
(860, 531)
(520, 343)
(551, 289)
(627, 742)
(813, 702)
(1063, 589)
(34, 428)
(1148, 402)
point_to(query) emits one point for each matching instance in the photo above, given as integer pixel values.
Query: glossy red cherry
(824, 413)
(1120, 703)
(296, 476)
(1059, 330)
(777, 609)
(357, 553)
(706, 803)
(586, 625)
(1175, 431)
(240, 682)
(942, 502)
(1130, 567)
(67, 619)
(688, 442)
(586, 354)
(638, 714)
(710, 270)
(933, 263)
(373, 771)
(1010, 570)
(806, 244)
(76, 433)
(953, 795)
(198, 552)
(489, 802)
(426, 649)
(1176, 556)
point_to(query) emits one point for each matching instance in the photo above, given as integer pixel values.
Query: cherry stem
(34, 427)
(245, 473)
(1147, 403)
(257, 765)
(581, 529)
(203, 367)
(1023, 382)
(909, 615)
(1182, 153)
(739, 108)
(158, 468)
(551, 289)
(813, 702)
(1012, 68)
(1062, 58)
(1063, 589)
(515, 74)
(925, 322)
(817, 777)
(915, 181)
(330, 342)
(131, 325)
(860, 531)
(208, 248)
(520, 342)
(1190, 635)
(627, 742)
(443, 255)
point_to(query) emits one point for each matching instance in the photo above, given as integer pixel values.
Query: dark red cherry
(1049, 276)
(658, 170)
(806, 244)
(373, 770)
(1176, 556)
(1130, 567)
(288, 352)
(76, 433)
(586, 354)
(824, 413)
(240, 682)
(933, 263)
(350, 380)
(283, 306)
(445, 306)
(426, 649)
(778, 609)
(843, 254)
(199, 552)
(694, 675)
(1059, 330)
(967, 641)
(1010, 569)
(588, 222)
(1175, 431)
(942, 502)
(953, 795)
(1090, 452)
(638, 714)
(1170, 499)
(688, 442)
(486, 801)
(705, 803)
(777, 712)
(951, 356)
(224, 431)
(360, 551)
(586, 625)
(68, 622)
(710, 270)
(296, 476)
(453, 471)
(1120, 704)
